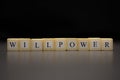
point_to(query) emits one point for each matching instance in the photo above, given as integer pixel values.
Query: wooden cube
(83, 44)
(60, 44)
(36, 44)
(72, 44)
(107, 43)
(13, 44)
(48, 44)
(95, 43)
(25, 43)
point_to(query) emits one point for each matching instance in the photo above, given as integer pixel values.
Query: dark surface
(60, 65)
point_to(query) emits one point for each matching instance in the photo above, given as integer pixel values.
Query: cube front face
(60, 44)
(48, 44)
(12, 44)
(72, 44)
(83, 44)
(25, 44)
(107, 43)
(95, 43)
(36, 44)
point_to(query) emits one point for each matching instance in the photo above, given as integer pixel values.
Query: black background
(59, 18)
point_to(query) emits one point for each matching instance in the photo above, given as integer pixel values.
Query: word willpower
(60, 44)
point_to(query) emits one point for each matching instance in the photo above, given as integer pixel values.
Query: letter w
(12, 44)
(83, 44)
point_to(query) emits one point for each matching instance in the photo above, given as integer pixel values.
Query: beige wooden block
(25, 44)
(83, 44)
(107, 43)
(60, 43)
(13, 44)
(72, 44)
(95, 43)
(36, 44)
(48, 44)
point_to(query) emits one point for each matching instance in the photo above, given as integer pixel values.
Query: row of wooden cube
(60, 44)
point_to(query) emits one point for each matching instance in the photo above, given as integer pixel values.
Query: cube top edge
(94, 38)
(37, 39)
(82, 38)
(107, 38)
(18, 38)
